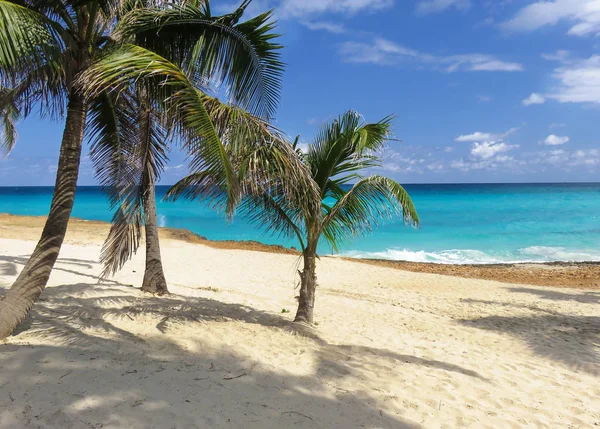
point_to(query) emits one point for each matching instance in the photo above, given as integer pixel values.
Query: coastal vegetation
(129, 167)
(133, 79)
(337, 158)
(54, 56)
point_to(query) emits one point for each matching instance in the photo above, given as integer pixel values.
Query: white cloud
(557, 125)
(484, 164)
(385, 52)
(448, 149)
(307, 8)
(578, 82)
(174, 167)
(484, 98)
(303, 8)
(560, 55)
(583, 16)
(433, 6)
(554, 140)
(568, 159)
(534, 98)
(478, 136)
(489, 149)
(331, 27)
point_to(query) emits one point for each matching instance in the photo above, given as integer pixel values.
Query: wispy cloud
(479, 136)
(560, 55)
(566, 159)
(385, 52)
(584, 16)
(330, 27)
(577, 81)
(303, 9)
(434, 6)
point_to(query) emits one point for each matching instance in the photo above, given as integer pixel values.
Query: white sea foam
(470, 256)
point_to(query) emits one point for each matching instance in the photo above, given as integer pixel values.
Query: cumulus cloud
(534, 98)
(554, 140)
(489, 149)
(583, 16)
(434, 6)
(385, 52)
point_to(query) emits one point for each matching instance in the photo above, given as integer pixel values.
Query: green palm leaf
(28, 41)
(369, 201)
(170, 86)
(213, 50)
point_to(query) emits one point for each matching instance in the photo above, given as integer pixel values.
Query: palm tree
(149, 153)
(47, 49)
(336, 211)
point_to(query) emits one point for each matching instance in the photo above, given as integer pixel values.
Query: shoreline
(583, 275)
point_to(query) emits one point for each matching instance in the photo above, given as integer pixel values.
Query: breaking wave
(469, 256)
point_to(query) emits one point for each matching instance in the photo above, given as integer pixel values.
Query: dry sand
(392, 349)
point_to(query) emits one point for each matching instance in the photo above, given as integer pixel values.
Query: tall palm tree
(47, 49)
(179, 34)
(337, 211)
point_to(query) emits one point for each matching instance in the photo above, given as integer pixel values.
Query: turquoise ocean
(460, 223)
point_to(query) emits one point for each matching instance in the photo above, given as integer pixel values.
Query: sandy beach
(393, 348)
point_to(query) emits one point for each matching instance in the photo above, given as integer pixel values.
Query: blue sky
(482, 90)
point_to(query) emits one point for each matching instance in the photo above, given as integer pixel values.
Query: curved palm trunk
(308, 286)
(154, 277)
(32, 280)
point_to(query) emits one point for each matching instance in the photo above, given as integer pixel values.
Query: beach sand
(392, 348)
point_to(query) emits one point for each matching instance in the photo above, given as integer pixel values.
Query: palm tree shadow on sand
(106, 372)
(573, 340)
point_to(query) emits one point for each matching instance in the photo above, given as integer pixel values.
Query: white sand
(394, 349)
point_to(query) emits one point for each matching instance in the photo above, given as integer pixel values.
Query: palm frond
(260, 156)
(369, 201)
(112, 131)
(10, 113)
(242, 56)
(274, 212)
(168, 85)
(344, 146)
(129, 150)
(28, 41)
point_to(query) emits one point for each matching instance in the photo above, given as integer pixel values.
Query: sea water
(460, 223)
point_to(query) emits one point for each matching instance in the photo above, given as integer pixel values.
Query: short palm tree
(47, 51)
(329, 206)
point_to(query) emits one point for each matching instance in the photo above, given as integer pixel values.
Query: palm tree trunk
(308, 285)
(154, 276)
(34, 276)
